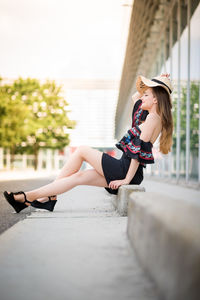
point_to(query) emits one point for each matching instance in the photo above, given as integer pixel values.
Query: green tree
(12, 115)
(38, 114)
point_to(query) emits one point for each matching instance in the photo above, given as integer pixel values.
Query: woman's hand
(136, 97)
(165, 75)
(117, 183)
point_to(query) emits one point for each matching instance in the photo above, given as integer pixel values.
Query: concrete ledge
(165, 233)
(120, 201)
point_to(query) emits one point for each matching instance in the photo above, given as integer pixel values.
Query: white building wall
(94, 111)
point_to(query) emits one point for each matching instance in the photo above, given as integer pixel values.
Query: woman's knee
(79, 174)
(82, 149)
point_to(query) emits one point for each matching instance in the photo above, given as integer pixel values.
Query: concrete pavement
(80, 251)
(7, 215)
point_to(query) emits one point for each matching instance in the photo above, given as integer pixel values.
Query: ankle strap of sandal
(25, 199)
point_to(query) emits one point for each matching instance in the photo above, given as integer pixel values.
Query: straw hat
(143, 83)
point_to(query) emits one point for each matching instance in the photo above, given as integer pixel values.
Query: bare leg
(88, 177)
(73, 165)
(82, 153)
(61, 185)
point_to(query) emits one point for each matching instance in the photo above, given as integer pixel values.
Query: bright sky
(62, 38)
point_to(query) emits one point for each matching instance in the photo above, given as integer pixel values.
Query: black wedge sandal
(18, 206)
(48, 205)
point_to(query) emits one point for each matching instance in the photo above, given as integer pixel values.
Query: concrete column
(199, 136)
(171, 76)
(188, 95)
(178, 146)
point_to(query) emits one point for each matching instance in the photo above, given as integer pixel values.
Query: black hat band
(160, 82)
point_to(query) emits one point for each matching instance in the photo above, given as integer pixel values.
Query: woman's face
(148, 99)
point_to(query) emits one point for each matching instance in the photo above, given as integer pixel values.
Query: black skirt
(115, 169)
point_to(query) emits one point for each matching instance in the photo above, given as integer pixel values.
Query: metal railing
(51, 160)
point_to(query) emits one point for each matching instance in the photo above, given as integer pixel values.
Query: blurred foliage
(33, 115)
(194, 118)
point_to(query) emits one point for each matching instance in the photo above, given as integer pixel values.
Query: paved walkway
(78, 252)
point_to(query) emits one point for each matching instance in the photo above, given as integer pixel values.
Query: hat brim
(143, 83)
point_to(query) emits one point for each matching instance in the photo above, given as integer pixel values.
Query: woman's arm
(132, 170)
(129, 176)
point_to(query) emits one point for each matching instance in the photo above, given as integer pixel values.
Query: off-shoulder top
(131, 144)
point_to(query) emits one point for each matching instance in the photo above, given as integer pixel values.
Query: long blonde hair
(164, 107)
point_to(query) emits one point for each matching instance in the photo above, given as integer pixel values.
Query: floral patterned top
(131, 144)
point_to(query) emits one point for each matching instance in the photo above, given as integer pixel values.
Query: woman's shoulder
(154, 118)
(153, 115)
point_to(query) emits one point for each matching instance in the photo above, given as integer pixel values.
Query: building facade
(164, 36)
(92, 104)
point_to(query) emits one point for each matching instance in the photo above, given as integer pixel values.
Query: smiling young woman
(151, 117)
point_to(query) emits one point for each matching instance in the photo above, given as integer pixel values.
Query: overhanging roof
(145, 29)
